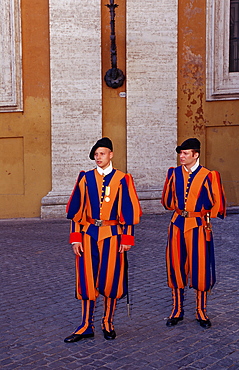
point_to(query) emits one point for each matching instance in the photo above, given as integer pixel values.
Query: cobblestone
(38, 308)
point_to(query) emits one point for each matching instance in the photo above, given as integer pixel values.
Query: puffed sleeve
(75, 208)
(219, 199)
(168, 191)
(129, 209)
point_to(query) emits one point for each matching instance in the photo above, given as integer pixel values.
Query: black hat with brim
(191, 143)
(105, 142)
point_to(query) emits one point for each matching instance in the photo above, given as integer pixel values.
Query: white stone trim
(11, 95)
(221, 85)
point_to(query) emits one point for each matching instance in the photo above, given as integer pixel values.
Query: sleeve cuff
(75, 238)
(127, 239)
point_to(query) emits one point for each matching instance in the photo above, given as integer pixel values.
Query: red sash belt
(99, 223)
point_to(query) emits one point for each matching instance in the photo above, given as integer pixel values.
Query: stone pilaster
(75, 45)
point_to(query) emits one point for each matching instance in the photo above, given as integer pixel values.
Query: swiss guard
(196, 195)
(103, 209)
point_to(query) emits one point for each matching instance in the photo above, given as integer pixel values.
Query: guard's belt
(186, 214)
(99, 223)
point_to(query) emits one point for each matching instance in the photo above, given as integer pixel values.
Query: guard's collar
(194, 167)
(106, 171)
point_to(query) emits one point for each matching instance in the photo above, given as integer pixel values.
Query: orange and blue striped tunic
(190, 249)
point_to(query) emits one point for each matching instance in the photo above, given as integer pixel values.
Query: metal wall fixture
(114, 77)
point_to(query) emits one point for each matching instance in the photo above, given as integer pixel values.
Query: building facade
(55, 102)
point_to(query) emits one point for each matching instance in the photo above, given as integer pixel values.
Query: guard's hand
(77, 248)
(124, 248)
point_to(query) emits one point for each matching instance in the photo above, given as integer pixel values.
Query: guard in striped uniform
(195, 194)
(103, 209)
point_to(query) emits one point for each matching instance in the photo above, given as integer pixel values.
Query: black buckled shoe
(206, 324)
(109, 334)
(75, 337)
(173, 321)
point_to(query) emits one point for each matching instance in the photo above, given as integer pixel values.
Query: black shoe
(75, 337)
(206, 324)
(173, 321)
(109, 334)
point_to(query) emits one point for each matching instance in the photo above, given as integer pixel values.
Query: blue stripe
(172, 273)
(170, 193)
(179, 186)
(93, 194)
(127, 207)
(75, 198)
(93, 231)
(183, 257)
(95, 258)
(115, 283)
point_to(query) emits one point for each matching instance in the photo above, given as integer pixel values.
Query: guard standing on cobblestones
(195, 194)
(104, 208)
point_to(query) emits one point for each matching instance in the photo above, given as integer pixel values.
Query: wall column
(76, 116)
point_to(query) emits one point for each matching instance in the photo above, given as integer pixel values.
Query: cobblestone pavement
(38, 308)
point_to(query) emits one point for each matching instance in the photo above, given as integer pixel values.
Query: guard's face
(188, 158)
(103, 157)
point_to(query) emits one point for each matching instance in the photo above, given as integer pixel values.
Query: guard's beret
(105, 142)
(191, 143)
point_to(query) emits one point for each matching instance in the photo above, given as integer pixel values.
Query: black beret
(105, 142)
(191, 143)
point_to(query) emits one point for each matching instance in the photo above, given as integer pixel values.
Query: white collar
(194, 167)
(106, 171)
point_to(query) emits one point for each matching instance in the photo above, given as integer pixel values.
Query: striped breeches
(101, 269)
(190, 254)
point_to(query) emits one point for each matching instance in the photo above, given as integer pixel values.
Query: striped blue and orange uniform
(190, 250)
(101, 269)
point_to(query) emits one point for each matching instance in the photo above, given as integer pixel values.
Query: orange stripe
(111, 264)
(100, 248)
(99, 181)
(176, 256)
(170, 284)
(201, 259)
(121, 277)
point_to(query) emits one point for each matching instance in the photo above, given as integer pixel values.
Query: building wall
(46, 137)
(214, 123)
(76, 95)
(25, 147)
